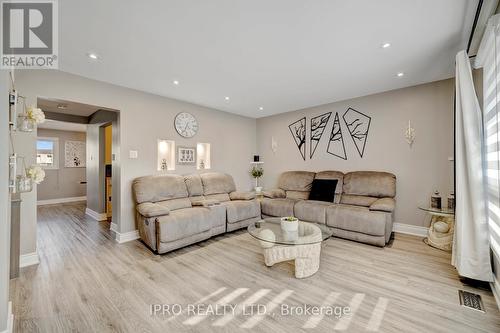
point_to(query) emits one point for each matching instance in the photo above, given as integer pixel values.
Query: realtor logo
(29, 34)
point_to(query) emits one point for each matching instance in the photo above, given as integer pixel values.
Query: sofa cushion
(296, 180)
(297, 195)
(356, 218)
(183, 223)
(333, 175)
(221, 197)
(216, 182)
(274, 193)
(370, 183)
(323, 190)
(384, 205)
(194, 185)
(237, 195)
(277, 207)
(311, 210)
(239, 210)
(357, 200)
(158, 188)
(149, 209)
(175, 204)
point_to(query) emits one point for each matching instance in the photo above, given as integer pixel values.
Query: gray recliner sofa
(174, 211)
(362, 210)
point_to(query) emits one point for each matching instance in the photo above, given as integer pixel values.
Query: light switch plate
(133, 154)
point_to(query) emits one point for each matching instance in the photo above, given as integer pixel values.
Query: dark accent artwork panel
(318, 125)
(336, 145)
(358, 125)
(298, 131)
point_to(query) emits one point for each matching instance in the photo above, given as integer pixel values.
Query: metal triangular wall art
(358, 125)
(336, 145)
(298, 131)
(318, 125)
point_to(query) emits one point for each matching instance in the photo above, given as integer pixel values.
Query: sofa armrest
(237, 195)
(384, 205)
(274, 193)
(149, 209)
(205, 203)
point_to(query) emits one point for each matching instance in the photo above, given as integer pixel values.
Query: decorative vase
(258, 189)
(23, 184)
(289, 225)
(436, 200)
(451, 201)
(25, 124)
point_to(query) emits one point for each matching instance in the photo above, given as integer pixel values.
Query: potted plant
(256, 173)
(289, 224)
(31, 117)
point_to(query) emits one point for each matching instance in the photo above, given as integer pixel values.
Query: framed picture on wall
(186, 155)
(74, 154)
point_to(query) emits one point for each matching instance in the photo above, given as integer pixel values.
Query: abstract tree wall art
(318, 125)
(358, 125)
(336, 145)
(298, 131)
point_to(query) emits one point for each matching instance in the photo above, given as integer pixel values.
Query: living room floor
(87, 282)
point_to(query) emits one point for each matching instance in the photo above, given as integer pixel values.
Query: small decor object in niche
(358, 125)
(186, 124)
(336, 145)
(202, 164)
(164, 165)
(451, 201)
(318, 125)
(410, 134)
(436, 200)
(74, 154)
(186, 156)
(298, 131)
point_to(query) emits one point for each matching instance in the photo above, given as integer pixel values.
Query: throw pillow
(323, 190)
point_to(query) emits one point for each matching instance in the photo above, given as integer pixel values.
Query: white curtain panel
(471, 249)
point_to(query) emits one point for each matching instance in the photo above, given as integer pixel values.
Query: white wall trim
(10, 320)
(495, 288)
(126, 236)
(60, 200)
(95, 215)
(29, 259)
(410, 229)
(113, 227)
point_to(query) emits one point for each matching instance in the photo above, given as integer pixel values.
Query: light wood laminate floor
(86, 282)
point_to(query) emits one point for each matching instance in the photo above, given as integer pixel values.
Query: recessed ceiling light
(62, 106)
(261, 108)
(93, 56)
(386, 45)
(226, 98)
(176, 82)
(400, 74)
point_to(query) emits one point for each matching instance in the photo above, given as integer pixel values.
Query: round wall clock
(186, 125)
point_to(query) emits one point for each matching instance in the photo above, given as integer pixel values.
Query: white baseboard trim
(495, 288)
(410, 229)
(95, 215)
(29, 259)
(60, 200)
(113, 227)
(126, 236)
(10, 320)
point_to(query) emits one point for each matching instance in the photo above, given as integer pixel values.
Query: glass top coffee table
(302, 245)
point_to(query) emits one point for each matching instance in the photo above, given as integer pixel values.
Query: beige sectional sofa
(362, 210)
(173, 211)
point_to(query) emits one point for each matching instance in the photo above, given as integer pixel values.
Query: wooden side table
(442, 227)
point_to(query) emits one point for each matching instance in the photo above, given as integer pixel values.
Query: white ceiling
(283, 54)
(67, 107)
(63, 126)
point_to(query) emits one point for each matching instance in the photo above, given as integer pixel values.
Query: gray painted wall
(63, 182)
(4, 201)
(144, 118)
(420, 169)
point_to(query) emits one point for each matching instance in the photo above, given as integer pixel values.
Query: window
(47, 153)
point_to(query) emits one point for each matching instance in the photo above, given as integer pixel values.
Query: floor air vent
(471, 300)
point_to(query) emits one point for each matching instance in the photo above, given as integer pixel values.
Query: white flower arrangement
(36, 115)
(36, 174)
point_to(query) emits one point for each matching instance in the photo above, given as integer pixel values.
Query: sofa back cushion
(194, 185)
(297, 195)
(333, 175)
(216, 183)
(159, 188)
(370, 183)
(296, 181)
